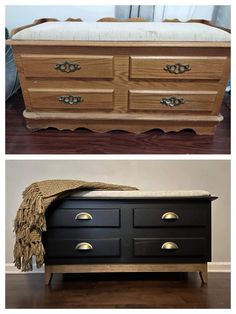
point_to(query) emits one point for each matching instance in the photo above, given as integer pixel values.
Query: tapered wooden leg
(203, 274)
(48, 276)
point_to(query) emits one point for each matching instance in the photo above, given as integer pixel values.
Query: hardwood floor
(160, 290)
(19, 140)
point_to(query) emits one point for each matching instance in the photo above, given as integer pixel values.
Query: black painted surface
(67, 247)
(187, 247)
(192, 231)
(100, 218)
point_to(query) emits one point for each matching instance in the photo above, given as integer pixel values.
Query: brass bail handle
(83, 216)
(70, 99)
(177, 68)
(172, 101)
(67, 67)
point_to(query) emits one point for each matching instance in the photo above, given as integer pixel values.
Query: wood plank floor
(19, 140)
(160, 290)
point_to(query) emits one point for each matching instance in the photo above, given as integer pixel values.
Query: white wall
(213, 176)
(19, 15)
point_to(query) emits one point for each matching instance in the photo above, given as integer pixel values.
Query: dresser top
(125, 31)
(142, 194)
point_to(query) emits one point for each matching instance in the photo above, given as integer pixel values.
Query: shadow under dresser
(136, 231)
(122, 76)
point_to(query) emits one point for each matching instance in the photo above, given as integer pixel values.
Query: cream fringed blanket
(30, 218)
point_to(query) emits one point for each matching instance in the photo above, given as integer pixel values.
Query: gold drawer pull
(169, 246)
(172, 101)
(177, 68)
(169, 216)
(71, 100)
(83, 246)
(83, 216)
(67, 67)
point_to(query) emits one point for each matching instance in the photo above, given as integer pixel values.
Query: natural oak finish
(90, 66)
(108, 268)
(194, 101)
(120, 79)
(152, 67)
(48, 99)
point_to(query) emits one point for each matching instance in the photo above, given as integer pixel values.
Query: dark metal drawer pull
(169, 216)
(172, 101)
(169, 246)
(177, 68)
(83, 246)
(71, 100)
(83, 216)
(67, 67)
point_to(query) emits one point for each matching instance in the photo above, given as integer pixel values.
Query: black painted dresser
(129, 232)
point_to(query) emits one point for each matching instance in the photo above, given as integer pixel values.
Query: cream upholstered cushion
(134, 31)
(142, 194)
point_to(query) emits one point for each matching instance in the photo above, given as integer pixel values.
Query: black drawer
(165, 247)
(82, 247)
(169, 217)
(84, 218)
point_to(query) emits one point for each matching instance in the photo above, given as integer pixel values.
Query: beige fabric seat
(135, 31)
(143, 194)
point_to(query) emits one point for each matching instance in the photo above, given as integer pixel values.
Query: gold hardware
(169, 246)
(71, 100)
(170, 216)
(67, 67)
(177, 68)
(83, 216)
(172, 101)
(83, 246)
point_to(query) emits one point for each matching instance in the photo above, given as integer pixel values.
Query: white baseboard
(221, 267)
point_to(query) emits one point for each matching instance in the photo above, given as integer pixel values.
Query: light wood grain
(202, 125)
(77, 43)
(109, 67)
(90, 66)
(194, 101)
(92, 99)
(153, 67)
(104, 268)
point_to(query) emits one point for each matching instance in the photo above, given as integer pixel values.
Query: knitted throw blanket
(30, 218)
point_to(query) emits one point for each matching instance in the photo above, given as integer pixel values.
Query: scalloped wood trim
(202, 125)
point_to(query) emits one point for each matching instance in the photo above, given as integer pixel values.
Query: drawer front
(178, 101)
(84, 218)
(164, 247)
(169, 217)
(68, 66)
(152, 67)
(82, 247)
(71, 100)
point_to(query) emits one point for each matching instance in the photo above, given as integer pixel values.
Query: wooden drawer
(82, 247)
(169, 101)
(186, 67)
(71, 100)
(169, 217)
(164, 247)
(69, 66)
(84, 218)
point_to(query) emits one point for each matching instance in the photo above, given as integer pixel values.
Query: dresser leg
(48, 276)
(203, 274)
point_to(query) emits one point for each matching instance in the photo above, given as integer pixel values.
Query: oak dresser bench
(112, 231)
(127, 76)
